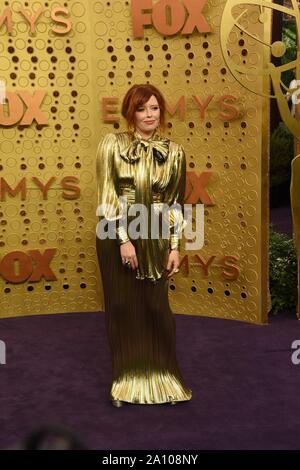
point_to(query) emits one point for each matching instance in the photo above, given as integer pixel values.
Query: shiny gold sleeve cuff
(174, 243)
(121, 233)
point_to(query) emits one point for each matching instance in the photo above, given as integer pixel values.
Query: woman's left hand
(173, 263)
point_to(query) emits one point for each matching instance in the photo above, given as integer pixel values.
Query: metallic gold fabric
(125, 160)
(139, 322)
(141, 331)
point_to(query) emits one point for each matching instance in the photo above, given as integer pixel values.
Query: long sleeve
(175, 195)
(109, 206)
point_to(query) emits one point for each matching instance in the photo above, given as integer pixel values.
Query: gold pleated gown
(139, 322)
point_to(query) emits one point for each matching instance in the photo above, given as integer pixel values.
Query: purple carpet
(245, 388)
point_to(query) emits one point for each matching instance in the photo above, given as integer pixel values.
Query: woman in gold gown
(141, 166)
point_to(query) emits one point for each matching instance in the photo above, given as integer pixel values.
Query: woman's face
(147, 117)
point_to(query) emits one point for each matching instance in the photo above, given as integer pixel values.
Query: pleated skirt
(141, 332)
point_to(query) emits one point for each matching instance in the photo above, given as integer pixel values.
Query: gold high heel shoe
(117, 403)
(173, 402)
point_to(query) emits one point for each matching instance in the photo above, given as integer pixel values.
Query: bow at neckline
(157, 146)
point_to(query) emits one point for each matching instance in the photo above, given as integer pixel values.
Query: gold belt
(129, 191)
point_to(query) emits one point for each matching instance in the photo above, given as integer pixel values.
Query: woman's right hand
(127, 251)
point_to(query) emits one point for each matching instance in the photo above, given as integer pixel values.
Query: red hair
(137, 96)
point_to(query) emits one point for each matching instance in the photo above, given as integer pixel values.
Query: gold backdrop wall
(53, 232)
